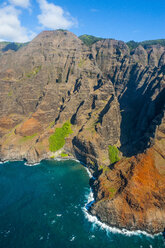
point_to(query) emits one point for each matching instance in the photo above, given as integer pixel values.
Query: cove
(44, 206)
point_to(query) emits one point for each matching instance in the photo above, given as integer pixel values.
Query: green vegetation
(80, 64)
(51, 124)
(89, 39)
(112, 191)
(57, 140)
(113, 154)
(133, 44)
(4, 43)
(27, 138)
(101, 167)
(63, 155)
(34, 72)
(12, 46)
(62, 30)
(104, 168)
(10, 93)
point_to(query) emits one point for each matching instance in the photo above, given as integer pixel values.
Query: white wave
(12, 160)
(53, 221)
(91, 236)
(74, 159)
(89, 197)
(27, 164)
(4, 162)
(109, 229)
(88, 171)
(64, 159)
(95, 221)
(58, 159)
(58, 215)
(72, 238)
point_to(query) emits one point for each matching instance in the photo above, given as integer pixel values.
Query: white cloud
(54, 17)
(10, 26)
(20, 3)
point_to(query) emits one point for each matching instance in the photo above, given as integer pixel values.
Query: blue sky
(22, 20)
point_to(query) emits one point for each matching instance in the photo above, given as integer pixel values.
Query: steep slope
(111, 100)
(133, 44)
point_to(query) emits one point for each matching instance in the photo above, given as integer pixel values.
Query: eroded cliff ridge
(105, 105)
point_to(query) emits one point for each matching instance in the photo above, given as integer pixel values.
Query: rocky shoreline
(99, 217)
(112, 99)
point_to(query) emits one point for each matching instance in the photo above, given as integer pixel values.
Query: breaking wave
(96, 222)
(27, 164)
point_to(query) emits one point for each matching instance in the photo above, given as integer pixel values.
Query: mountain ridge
(114, 101)
(87, 39)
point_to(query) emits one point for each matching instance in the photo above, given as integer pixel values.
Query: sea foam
(27, 164)
(108, 229)
(4, 162)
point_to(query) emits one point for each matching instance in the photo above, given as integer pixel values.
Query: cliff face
(112, 98)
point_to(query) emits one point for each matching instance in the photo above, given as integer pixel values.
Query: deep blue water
(43, 206)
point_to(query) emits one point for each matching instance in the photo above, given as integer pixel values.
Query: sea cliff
(113, 100)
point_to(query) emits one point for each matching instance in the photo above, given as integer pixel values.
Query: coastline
(90, 200)
(95, 220)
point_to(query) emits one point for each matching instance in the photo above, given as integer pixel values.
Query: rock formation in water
(114, 102)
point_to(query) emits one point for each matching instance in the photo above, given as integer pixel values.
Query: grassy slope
(15, 46)
(57, 140)
(90, 40)
(113, 154)
(132, 44)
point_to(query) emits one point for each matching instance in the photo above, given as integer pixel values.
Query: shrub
(10, 93)
(12, 46)
(63, 155)
(57, 140)
(89, 39)
(133, 44)
(34, 72)
(113, 154)
(112, 192)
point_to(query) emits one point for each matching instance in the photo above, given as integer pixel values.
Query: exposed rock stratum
(113, 98)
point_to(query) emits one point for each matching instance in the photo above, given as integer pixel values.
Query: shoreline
(90, 200)
(93, 219)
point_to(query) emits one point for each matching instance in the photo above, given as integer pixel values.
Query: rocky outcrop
(112, 97)
(132, 194)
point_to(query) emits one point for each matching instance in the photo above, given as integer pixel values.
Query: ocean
(43, 206)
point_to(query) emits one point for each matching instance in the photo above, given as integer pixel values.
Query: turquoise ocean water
(44, 206)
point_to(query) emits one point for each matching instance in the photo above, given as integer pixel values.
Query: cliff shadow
(140, 115)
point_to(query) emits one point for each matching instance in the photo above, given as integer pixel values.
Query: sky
(22, 20)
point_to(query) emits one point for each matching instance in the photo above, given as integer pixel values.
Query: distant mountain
(133, 44)
(15, 46)
(89, 39)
